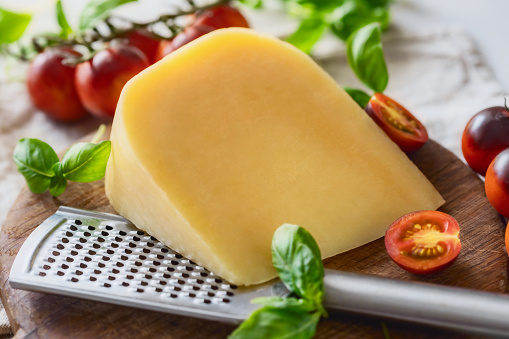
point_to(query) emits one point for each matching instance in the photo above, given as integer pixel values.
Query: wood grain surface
(482, 265)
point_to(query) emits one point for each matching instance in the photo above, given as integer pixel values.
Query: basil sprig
(366, 57)
(39, 164)
(97, 10)
(360, 97)
(297, 259)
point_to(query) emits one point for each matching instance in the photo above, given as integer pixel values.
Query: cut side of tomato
(423, 242)
(397, 122)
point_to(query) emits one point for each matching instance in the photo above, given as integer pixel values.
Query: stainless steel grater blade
(104, 257)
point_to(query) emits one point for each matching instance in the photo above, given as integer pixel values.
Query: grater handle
(447, 307)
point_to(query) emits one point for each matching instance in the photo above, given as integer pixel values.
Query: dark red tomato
(485, 136)
(99, 81)
(145, 43)
(221, 17)
(423, 242)
(397, 122)
(497, 183)
(51, 86)
(184, 37)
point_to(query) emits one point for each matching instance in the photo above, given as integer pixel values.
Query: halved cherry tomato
(221, 17)
(497, 183)
(423, 242)
(397, 122)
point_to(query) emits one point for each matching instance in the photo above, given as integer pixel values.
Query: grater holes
(149, 244)
(73, 228)
(68, 234)
(78, 272)
(124, 257)
(159, 256)
(101, 265)
(64, 266)
(118, 239)
(91, 228)
(122, 233)
(97, 272)
(140, 232)
(134, 270)
(92, 279)
(42, 274)
(110, 251)
(156, 263)
(128, 251)
(60, 273)
(78, 247)
(152, 269)
(82, 265)
(114, 245)
(86, 234)
(164, 250)
(74, 252)
(125, 284)
(96, 246)
(109, 228)
(101, 239)
(115, 271)
(75, 280)
(60, 247)
(69, 259)
(83, 240)
(119, 264)
(77, 222)
(136, 239)
(88, 259)
(46, 267)
(170, 269)
(51, 260)
(55, 253)
(147, 251)
(142, 257)
(178, 256)
(140, 290)
(107, 285)
(104, 233)
(65, 240)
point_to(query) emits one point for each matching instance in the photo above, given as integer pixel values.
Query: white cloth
(439, 76)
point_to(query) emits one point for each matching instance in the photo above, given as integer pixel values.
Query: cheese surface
(237, 133)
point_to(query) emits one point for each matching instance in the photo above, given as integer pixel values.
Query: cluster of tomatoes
(427, 241)
(68, 93)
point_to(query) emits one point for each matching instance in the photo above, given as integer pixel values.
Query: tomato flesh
(397, 122)
(423, 242)
(497, 183)
(507, 239)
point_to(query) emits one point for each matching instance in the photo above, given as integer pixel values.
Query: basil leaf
(308, 33)
(252, 3)
(65, 29)
(320, 5)
(280, 302)
(57, 186)
(360, 97)
(97, 10)
(378, 3)
(366, 57)
(85, 162)
(12, 25)
(278, 323)
(354, 14)
(296, 257)
(35, 160)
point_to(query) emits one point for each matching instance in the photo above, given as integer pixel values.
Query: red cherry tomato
(397, 122)
(221, 17)
(497, 183)
(423, 242)
(184, 37)
(485, 136)
(99, 81)
(144, 42)
(51, 86)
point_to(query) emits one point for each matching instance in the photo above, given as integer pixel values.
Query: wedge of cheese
(237, 133)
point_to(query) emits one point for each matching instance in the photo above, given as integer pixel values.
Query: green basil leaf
(252, 3)
(360, 97)
(57, 186)
(366, 57)
(320, 5)
(354, 14)
(297, 259)
(280, 302)
(85, 162)
(65, 29)
(378, 3)
(308, 34)
(35, 160)
(97, 10)
(12, 25)
(278, 323)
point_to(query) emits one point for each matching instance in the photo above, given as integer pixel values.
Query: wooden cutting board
(482, 265)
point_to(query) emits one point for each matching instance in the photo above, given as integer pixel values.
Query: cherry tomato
(184, 37)
(99, 81)
(423, 242)
(51, 86)
(221, 17)
(397, 122)
(497, 183)
(145, 43)
(485, 136)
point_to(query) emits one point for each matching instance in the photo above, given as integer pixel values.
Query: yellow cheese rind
(235, 134)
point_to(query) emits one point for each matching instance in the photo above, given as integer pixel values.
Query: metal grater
(104, 257)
